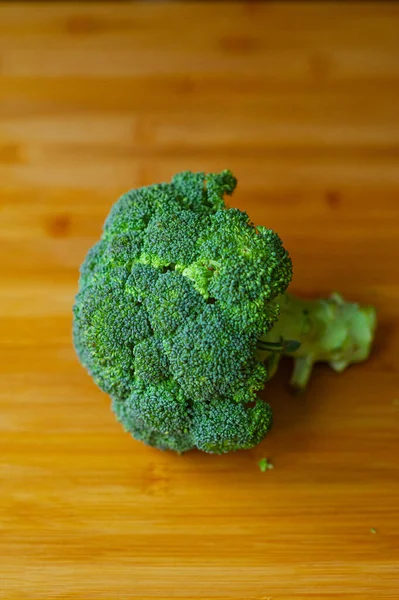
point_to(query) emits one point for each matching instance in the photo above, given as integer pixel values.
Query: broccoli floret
(182, 316)
(161, 407)
(171, 304)
(224, 425)
(202, 193)
(139, 429)
(107, 327)
(265, 465)
(92, 265)
(150, 362)
(171, 238)
(210, 359)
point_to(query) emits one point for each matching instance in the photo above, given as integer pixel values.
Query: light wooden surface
(301, 102)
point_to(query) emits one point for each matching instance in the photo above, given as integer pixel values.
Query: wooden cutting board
(301, 102)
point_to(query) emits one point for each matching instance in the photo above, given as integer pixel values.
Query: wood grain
(301, 102)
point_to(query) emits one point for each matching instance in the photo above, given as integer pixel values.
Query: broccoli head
(181, 317)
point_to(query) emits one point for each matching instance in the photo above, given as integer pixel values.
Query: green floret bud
(223, 426)
(172, 303)
(123, 249)
(257, 374)
(138, 428)
(279, 265)
(229, 233)
(141, 282)
(219, 185)
(190, 189)
(150, 361)
(134, 209)
(161, 407)
(203, 193)
(208, 358)
(200, 274)
(92, 265)
(107, 327)
(171, 238)
(243, 295)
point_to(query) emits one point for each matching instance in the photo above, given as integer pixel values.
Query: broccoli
(265, 465)
(182, 317)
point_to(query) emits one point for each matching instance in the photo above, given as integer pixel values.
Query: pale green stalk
(329, 330)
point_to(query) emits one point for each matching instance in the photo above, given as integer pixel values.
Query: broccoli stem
(329, 330)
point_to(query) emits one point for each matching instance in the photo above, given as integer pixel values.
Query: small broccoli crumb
(395, 401)
(265, 465)
(373, 530)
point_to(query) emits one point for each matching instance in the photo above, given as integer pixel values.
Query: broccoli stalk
(182, 316)
(328, 330)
